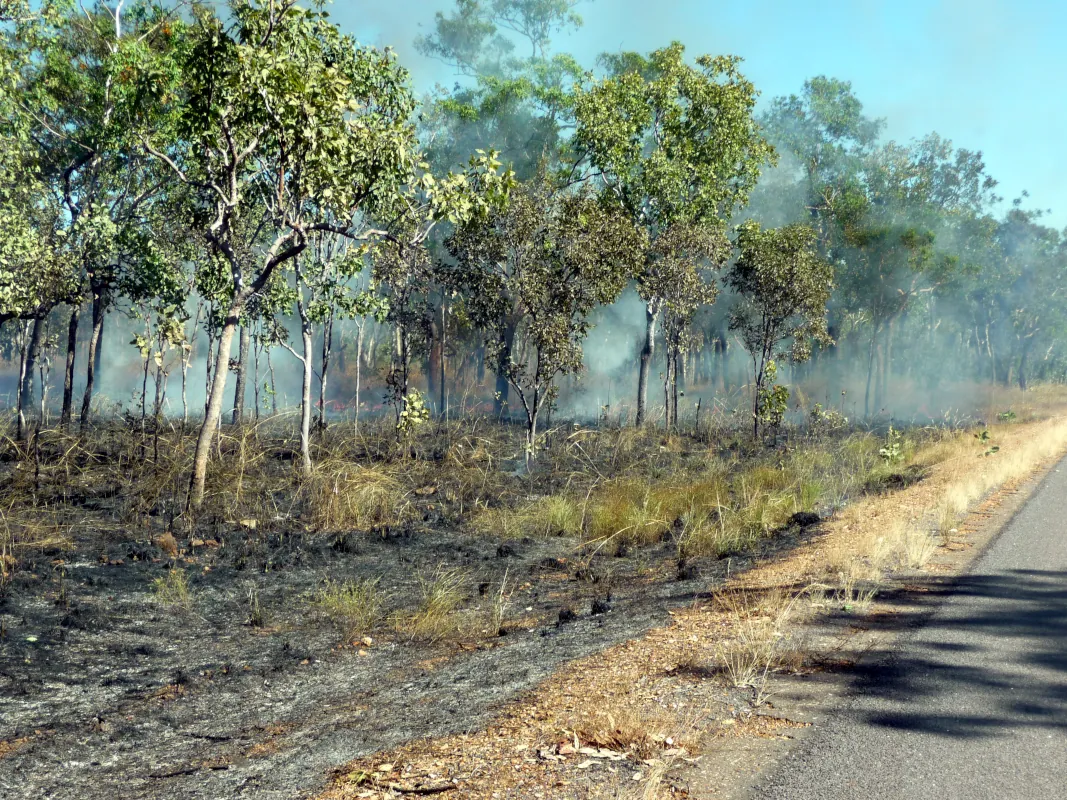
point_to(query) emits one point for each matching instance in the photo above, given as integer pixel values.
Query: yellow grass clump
(344, 496)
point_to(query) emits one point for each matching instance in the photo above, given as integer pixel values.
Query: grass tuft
(438, 616)
(172, 589)
(355, 607)
(342, 496)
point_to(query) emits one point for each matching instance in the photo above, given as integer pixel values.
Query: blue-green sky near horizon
(987, 74)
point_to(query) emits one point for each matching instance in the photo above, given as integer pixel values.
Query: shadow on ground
(991, 661)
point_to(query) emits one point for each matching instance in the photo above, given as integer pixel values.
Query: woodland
(292, 354)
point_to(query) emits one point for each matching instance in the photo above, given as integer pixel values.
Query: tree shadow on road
(991, 661)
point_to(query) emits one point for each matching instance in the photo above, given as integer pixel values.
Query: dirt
(106, 692)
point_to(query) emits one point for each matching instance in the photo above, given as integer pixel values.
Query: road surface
(973, 703)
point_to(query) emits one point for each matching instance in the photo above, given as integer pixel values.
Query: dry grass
(23, 531)
(343, 496)
(749, 633)
(640, 733)
(965, 467)
(355, 607)
(557, 515)
(439, 613)
(759, 639)
(726, 508)
(172, 589)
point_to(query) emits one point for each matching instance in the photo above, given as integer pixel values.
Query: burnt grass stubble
(105, 692)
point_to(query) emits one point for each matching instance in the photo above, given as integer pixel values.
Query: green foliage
(825, 421)
(892, 450)
(413, 414)
(538, 269)
(520, 103)
(772, 400)
(355, 607)
(442, 594)
(784, 287)
(152, 151)
(673, 142)
(172, 589)
(279, 114)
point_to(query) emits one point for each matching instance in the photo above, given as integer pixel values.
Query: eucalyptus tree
(513, 93)
(14, 10)
(783, 286)
(824, 134)
(155, 285)
(277, 111)
(537, 270)
(36, 273)
(516, 95)
(322, 288)
(687, 255)
(673, 143)
(341, 292)
(79, 92)
(1021, 296)
(404, 267)
(922, 222)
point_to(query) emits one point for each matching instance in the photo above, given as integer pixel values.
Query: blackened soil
(108, 693)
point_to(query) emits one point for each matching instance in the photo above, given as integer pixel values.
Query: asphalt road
(972, 704)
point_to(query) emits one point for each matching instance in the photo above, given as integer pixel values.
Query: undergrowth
(355, 607)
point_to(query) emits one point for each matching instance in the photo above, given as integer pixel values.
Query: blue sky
(990, 75)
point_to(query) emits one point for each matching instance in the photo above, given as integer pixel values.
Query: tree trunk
(23, 340)
(531, 426)
(723, 362)
(305, 393)
(93, 364)
(327, 349)
(887, 364)
(145, 363)
(758, 371)
(651, 315)
(185, 391)
(433, 369)
(443, 406)
(98, 356)
(667, 380)
(359, 359)
(500, 402)
(677, 377)
(870, 374)
(257, 349)
(68, 372)
(214, 409)
(991, 354)
(33, 352)
(239, 391)
(1022, 364)
(161, 385)
(209, 361)
(480, 357)
(531, 438)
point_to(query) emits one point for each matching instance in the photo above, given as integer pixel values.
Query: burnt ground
(105, 692)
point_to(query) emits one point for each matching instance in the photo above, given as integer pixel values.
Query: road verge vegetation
(643, 719)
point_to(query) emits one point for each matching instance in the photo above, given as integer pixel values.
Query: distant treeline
(229, 182)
